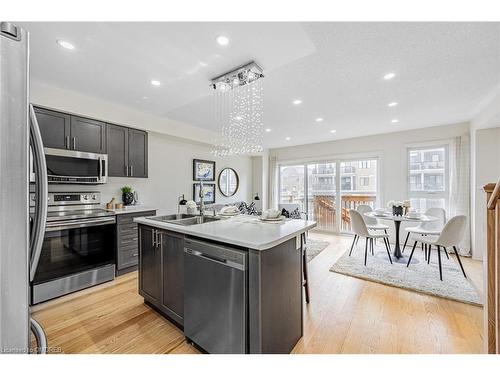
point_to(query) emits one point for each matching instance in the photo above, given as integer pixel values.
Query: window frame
(336, 159)
(445, 194)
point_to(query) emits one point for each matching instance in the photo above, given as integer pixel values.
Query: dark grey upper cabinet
(88, 135)
(117, 146)
(127, 148)
(138, 153)
(61, 130)
(149, 265)
(54, 127)
(127, 151)
(173, 272)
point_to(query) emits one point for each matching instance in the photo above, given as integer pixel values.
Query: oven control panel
(63, 198)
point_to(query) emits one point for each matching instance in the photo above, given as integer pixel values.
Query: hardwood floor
(346, 315)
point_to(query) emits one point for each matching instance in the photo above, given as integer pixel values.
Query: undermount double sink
(184, 219)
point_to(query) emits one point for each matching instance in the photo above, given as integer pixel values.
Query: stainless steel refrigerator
(20, 237)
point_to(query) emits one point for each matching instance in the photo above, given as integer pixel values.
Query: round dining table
(397, 224)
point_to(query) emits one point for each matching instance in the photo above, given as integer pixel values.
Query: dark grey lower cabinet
(167, 249)
(149, 265)
(172, 249)
(127, 242)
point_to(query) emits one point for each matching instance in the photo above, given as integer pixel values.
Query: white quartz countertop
(131, 209)
(243, 230)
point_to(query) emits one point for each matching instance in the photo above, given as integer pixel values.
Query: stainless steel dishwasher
(215, 297)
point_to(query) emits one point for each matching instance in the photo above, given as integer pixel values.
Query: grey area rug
(314, 247)
(419, 276)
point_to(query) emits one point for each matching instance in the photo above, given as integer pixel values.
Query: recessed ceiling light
(394, 121)
(145, 97)
(319, 119)
(297, 101)
(287, 138)
(222, 40)
(392, 104)
(154, 82)
(333, 131)
(389, 76)
(238, 118)
(65, 44)
(268, 130)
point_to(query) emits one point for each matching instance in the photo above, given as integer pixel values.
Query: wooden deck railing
(324, 212)
(492, 270)
(351, 202)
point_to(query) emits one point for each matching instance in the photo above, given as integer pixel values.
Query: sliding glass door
(292, 187)
(321, 194)
(325, 191)
(358, 185)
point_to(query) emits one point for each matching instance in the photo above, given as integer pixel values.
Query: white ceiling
(443, 71)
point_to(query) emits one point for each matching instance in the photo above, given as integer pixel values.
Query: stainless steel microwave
(75, 167)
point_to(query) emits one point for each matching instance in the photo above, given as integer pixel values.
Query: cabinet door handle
(66, 142)
(131, 170)
(154, 238)
(74, 143)
(126, 170)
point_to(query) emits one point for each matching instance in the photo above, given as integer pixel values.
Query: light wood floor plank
(346, 315)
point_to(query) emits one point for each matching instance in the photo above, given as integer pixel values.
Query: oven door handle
(41, 193)
(84, 223)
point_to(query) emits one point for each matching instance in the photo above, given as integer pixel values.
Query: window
(364, 164)
(428, 176)
(364, 181)
(346, 183)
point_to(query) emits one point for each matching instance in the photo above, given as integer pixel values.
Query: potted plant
(127, 195)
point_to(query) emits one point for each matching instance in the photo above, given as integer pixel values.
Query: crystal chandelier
(238, 104)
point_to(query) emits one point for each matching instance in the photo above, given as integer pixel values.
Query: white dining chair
(451, 236)
(429, 228)
(371, 222)
(361, 230)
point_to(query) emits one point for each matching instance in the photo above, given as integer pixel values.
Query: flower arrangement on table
(396, 207)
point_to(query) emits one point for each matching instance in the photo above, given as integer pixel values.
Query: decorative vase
(191, 210)
(397, 210)
(128, 198)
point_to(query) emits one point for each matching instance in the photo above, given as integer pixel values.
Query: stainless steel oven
(78, 249)
(76, 167)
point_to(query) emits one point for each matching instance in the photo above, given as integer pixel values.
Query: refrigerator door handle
(41, 193)
(41, 339)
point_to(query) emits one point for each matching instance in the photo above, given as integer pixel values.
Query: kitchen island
(233, 285)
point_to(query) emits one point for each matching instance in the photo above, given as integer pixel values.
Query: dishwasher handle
(221, 261)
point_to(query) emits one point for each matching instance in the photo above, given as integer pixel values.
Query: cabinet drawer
(128, 228)
(128, 257)
(128, 240)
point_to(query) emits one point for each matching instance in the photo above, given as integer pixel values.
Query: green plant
(126, 189)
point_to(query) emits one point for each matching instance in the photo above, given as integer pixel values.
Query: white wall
(106, 110)
(485, 164)
(486, 170)
(391, 149)
(171, 173)
(170, 157)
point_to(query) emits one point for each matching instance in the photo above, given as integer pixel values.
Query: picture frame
(203, 170)
(209, 197)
